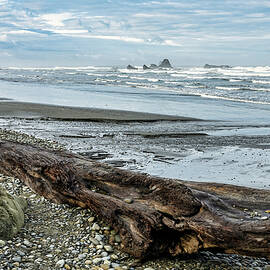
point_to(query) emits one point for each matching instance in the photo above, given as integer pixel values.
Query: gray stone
(17, 259)
(94, 241)
(81, 256)
(95, 227)
(11, 214)
(27, 243)
(97, 260)
(2, 243)
(108, 248)
(21, 253)
(60, 263)
(117, 238)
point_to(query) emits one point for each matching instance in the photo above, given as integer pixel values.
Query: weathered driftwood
(153, 215)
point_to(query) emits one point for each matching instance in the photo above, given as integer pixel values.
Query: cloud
(3, 37)
(126, 27)
(56, 19)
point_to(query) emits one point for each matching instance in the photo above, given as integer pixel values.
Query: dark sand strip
(10, 109)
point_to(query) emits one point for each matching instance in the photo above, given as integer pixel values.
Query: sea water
(237, 93)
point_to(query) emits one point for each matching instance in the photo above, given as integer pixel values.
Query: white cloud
(172, 43)
(154, 15)
(3, 37)
(56, 19)
(67, 31)
(256, 15)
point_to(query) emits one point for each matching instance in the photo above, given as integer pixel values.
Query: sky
(120, 32)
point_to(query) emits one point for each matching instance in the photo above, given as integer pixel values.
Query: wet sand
(42, 111)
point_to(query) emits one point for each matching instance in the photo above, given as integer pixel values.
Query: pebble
(17, 259)
(60, 263)
(108, 248)
(117, 238)
(95, 227)
(27, 243)
(82, 256)
(94, 241)
(2, 243)
(88, 262)
(97, 260)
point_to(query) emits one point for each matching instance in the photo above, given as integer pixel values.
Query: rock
(117, 238)
(81, 256)
(267, 267)
(108, 248)
(216, 66)
(88, 262)
(165, 64)
(17, 259)
(11, 214)
(105, 266)
(95, 227)
(145, 67)
(2, 243)
(27, 243)
(91, 219)
(60, 263)
(149, 268)
(153, 66)
(94, 241)
(131, 67)
(97, 260)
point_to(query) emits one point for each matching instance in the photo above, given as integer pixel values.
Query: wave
(261, 82)
(235, 99)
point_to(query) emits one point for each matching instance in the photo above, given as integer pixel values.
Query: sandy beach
(43, 111)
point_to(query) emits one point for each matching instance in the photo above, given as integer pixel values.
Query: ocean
(237, 93)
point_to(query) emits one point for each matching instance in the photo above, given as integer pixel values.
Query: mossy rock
(11, 214)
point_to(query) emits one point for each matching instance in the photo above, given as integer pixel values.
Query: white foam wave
(227, 88)
(235, 99)
(261, 82)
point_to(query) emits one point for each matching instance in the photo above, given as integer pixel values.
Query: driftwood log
(153, 215)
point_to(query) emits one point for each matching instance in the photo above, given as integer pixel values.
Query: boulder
(165, 64)
(216, 66)
(11, 214)
(131, 67)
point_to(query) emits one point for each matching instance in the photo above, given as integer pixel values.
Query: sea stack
(131, 67)
(165, 64)
(145, 67)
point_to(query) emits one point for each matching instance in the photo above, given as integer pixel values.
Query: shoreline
(27, 110)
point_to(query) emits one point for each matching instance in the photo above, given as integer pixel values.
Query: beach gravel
(64, 237)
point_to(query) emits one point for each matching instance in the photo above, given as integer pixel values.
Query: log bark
(153, 215)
